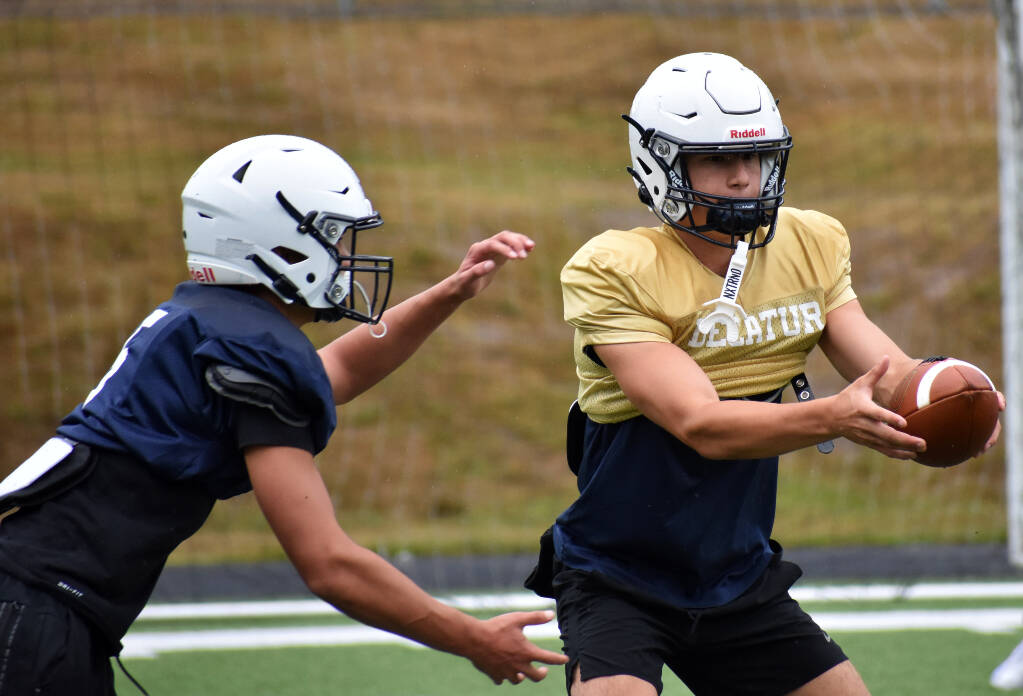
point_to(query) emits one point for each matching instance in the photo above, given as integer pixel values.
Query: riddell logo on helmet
(202, 275)
(748, 133)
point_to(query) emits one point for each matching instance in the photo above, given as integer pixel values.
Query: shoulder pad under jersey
(239, 385)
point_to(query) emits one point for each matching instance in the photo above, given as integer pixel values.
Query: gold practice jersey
(644, 284)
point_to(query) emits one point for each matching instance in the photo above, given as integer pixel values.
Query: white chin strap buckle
(724, 309)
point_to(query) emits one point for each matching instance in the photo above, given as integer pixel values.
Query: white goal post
(1010, 163)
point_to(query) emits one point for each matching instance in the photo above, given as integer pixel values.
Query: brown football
(952, 405)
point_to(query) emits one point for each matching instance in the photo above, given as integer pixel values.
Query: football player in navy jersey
(219, 392)
(686, 335)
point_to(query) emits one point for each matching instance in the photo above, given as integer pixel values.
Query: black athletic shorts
(762, 643)
(48, 649)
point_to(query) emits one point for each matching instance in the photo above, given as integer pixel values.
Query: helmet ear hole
(289, 255)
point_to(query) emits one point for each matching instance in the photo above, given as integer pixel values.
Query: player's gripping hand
(502, 651)
(485, 258)
(860, 419)
(991, 441)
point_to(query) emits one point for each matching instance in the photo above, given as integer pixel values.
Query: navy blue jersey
(100, 545)
(656, 517)
(163, 445)
(154, 403)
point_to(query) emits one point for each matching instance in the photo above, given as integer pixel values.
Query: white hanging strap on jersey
(54, 468)
(54, 451)
(726, 309)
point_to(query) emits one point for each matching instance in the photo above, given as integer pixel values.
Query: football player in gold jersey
(686, 334)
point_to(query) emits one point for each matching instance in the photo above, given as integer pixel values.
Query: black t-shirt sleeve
(255, 425)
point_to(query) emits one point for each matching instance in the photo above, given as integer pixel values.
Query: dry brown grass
(460, 128)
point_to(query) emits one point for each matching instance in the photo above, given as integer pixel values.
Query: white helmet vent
(289, 255)
(240, 173)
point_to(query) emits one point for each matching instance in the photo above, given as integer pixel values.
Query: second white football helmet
(284, 212)
(707, 103)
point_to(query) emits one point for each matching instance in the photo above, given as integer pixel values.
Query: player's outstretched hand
(484, 258)
(504, 653)
(863, 421)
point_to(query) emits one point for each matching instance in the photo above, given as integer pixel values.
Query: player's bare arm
(367, 588)
(671, 389)
(358, 360)
(854, 344)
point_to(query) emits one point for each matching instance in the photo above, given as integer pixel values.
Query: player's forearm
(357, 360)
(738, 429)
(367, 588)
(854, 344)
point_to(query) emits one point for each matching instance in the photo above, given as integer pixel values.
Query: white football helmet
(284, 212)
(703, 103)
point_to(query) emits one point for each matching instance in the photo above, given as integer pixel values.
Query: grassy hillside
(459, 128)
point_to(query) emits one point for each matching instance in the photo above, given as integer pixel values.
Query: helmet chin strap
(726, 309)
(383, 325)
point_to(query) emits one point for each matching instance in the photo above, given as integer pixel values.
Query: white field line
(511, 601)
(152, 643)
(526, 601)
(923, 590)
(145, 643)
